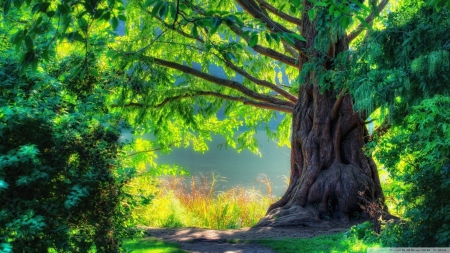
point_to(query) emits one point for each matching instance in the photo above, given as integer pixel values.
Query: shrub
(417, 154)
(58, 185)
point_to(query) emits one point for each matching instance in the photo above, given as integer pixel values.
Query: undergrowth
(341, 242)
(195, 202)
(151, 245)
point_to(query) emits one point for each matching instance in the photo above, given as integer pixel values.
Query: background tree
(283, 58)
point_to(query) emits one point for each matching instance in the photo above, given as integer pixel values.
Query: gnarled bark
(328, 166)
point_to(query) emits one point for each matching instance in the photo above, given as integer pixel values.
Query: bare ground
(198, 240)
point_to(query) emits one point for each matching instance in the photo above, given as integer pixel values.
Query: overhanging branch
(260, 49)
(369, 20)
(279, 13)
(265, 50)
(253, 9)
(244, 100)
(264, 83)
(220, 81)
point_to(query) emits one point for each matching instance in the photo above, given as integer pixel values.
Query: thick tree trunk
(329, 170)
(328, 166)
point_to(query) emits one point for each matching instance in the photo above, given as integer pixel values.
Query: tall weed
(195, 201)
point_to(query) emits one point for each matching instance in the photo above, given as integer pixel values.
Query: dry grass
(194, 201)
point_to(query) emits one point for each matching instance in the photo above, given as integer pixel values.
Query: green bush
(58, 187)
(417, 154)
(363, 231)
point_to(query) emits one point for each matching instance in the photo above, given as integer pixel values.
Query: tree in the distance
(285, 57)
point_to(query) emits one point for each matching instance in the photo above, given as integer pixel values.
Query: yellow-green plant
(194, 201)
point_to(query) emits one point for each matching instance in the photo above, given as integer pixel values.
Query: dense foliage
(406, 68)
(404, 63)
(418, 156)
(58, 170)
(62, 170)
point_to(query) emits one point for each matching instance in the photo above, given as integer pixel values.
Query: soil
(198, 240)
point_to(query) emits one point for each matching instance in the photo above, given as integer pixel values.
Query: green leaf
(63, 9)
(253, 40)
(268, 38)
(35, 8)
(106, 15)
(148, 3)
(345, 22)
(50, 14)
(29, 42)
(83, 24)
(17, 37)
(110, 53)
(6, 7)
(363, 22)
(337, 13)
(276, 37)
(173, 11)
(245, 34)
(163, 10)
(311, 14)
(34, 64)
(156, 8)
(45, 55)
(215, 25)
(111, 3)
(114, 23)
(229, 56)
(122, 17)
(99, 13)
(288, 38)
(194, 31)
(297, 36)
(320, 4)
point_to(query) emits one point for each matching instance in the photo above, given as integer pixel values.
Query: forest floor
(198, 240)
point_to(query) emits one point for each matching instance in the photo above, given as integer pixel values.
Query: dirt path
(199, 240)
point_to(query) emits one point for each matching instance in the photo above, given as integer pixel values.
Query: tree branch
(369, 20)
(266, 51)
(264, 83)
(220, 81)
(151, 150)
(279, 13)
(244, 100)
(260, 49)
(253, 9)
(145, 151)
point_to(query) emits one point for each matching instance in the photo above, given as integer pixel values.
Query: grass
(151, 245)
(194, 202)
(335, 243)
(326, 243)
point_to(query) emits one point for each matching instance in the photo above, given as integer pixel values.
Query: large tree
(186, 69)
(275, 58)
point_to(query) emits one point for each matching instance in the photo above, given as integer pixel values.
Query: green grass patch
(325, 243)
(151, 245)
